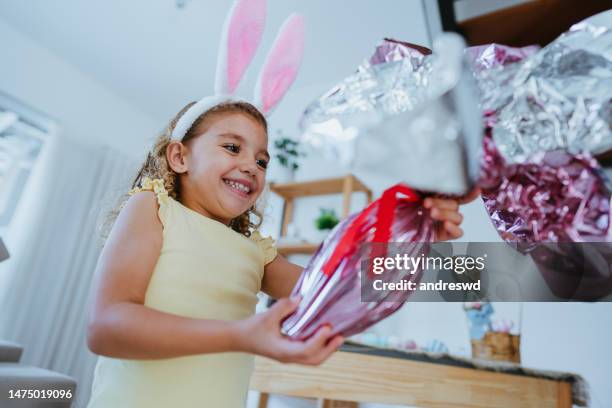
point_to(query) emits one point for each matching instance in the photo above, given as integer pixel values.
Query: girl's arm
(280, 276)
(121, 326)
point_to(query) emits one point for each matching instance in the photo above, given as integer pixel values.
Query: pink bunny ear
(242, 34)
(282, 64)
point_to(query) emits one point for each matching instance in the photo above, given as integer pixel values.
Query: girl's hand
(260, 334)
(446, 212)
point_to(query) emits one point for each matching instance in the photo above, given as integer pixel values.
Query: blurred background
(85, 87)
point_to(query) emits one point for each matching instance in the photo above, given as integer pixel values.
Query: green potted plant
(326, 220)
(287, 154)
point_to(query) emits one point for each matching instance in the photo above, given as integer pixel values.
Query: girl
(177, 281)
(178, 278)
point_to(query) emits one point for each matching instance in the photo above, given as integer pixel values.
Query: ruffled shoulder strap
(267, 246)
(156, 186)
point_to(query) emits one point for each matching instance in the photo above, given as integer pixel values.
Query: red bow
(384, 218)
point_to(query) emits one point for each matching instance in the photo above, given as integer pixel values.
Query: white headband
(242, 34)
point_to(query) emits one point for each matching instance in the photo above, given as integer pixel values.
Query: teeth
(238, 186)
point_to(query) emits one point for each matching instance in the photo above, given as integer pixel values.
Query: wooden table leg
(347, 189)
(565, 395)
(263, 400)
(287, 216)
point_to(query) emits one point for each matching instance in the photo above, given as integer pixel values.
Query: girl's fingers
(284, 307)
(453, 230)
(324, 354)
(315, 346)
(317, 341)
(314, 350)
(441, 203)
(451, 203)
(446, 215)
(471, 196)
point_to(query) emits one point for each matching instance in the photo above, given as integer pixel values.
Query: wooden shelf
(318, 187)
(533, 22)
(346, 185)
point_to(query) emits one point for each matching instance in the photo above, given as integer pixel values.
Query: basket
(499, 346)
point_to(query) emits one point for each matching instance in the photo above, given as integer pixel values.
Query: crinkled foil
(492, 56)
(494, 67)
(407, 110)
(555, 208)
(391, 50)
(546, 195)
(561, 97)
(556, 197)
(336, 299)
(360, 101)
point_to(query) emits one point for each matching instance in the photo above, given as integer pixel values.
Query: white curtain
(54, 243)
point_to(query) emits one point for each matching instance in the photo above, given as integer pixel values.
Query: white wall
(85, 110)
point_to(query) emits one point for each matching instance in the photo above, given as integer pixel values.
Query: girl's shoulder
(138, 220)
(267, 245)
(153, 185)
(155, 190)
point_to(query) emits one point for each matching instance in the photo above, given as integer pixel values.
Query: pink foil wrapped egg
(331, 284)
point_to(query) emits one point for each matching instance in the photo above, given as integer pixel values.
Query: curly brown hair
(156, 164)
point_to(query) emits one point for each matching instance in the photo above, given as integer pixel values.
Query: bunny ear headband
(242, 34)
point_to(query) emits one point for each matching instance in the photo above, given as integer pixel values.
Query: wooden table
(366, 377)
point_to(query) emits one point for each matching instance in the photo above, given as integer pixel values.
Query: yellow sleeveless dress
(205, 270)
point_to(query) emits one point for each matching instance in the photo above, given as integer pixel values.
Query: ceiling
(158, 56)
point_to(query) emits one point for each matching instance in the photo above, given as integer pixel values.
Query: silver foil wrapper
(408, 110)
(494, 67)
(558, 98)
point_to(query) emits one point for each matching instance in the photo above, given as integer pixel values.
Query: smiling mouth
(238, 187)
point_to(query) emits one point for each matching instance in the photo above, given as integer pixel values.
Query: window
(23, 132)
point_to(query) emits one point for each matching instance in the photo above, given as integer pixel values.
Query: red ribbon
(384, 219)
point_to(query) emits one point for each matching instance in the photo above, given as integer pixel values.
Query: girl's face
(225, 167)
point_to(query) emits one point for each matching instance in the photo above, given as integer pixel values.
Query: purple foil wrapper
(556, 197)
(556, 205)
(336, 299)
(556, 208)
